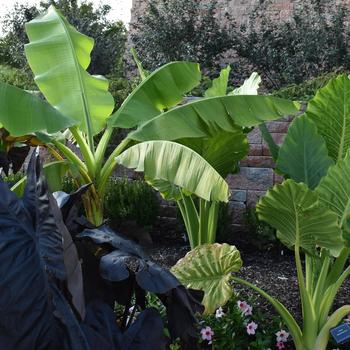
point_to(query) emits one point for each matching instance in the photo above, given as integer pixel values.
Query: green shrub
(126, 200)
(263, 235)
(179, 30)
(120, 88)
(11, 179)
(131, 200)
(306, 90)
(94, 21)
(313, 41)
(17, 77)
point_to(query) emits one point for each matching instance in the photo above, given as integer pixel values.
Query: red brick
(255, 136)
(251, 178)
(279, 126)
(266, 150)
(255, 149)
(238, 212)
(258, 162)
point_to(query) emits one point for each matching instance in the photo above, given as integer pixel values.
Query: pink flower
(242, 305)
(347, 319)
(207, 333)
(248, 311)
(280, 345)
(251, 328)
(245, 308)
(282, 336)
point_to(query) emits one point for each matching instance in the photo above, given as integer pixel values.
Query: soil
(272, 269)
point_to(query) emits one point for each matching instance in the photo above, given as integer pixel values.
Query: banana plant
(80, 103)
(310, 211)
(215, 128)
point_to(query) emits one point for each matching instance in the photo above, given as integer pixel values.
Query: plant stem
(213, 221)
(101, 148)
(203, 222)
(109, 166)
(85, 151)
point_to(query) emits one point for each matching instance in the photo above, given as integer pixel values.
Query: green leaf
(330, 110)
(161, 90)
(202, 117)
(294, 211)
(23, 113)
(222, 151)
(178, 165)
(143, 72)
(249, 87)
(266, 135)
(209, 268)
(54, 173)
(168, 190)
(334, 193)
(59, 56)
(304, 155)
(219, 85)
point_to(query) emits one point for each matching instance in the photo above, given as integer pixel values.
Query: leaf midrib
(341, 145)
(87, 116)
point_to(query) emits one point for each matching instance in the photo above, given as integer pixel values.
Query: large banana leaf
(334, 192)
(219, 85)
(209, 268)
(23, 113)
(304, 155)
(330, 110)
(59, 56)
(200, 118)
(293, 210)
(159, 91)
(177, 165)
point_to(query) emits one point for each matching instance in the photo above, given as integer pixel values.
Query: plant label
(341, 334)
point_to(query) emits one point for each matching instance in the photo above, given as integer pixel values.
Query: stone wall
(256, 173)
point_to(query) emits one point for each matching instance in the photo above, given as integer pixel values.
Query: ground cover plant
(80, 102)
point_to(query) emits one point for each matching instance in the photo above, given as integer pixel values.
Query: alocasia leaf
(334, 193)
(208, 268)
(295, 212)
(304, 156)
(330, 111)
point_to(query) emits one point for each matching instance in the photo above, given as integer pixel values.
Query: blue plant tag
(341, 334)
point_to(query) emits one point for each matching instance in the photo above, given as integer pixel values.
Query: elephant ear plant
(59, 286)
(310, 211)
(211, 128)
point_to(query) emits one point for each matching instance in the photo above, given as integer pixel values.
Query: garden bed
(272, 270)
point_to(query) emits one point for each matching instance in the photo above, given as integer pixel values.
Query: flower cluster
(245, 308)
(281, 338)
(237, 326)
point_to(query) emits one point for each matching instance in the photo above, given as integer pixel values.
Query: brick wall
(256, 173)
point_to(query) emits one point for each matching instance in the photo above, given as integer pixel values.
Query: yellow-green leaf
(208, 268)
